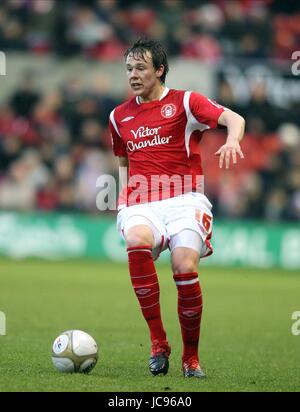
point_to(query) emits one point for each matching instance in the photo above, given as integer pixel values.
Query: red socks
(145, 283)
(189, 312)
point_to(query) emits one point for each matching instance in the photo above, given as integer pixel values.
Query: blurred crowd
(54, 145)
(101, 29)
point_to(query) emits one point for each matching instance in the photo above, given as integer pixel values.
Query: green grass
(246, 342)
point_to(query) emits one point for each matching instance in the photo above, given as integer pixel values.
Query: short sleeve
(118, 145)
(205, 110)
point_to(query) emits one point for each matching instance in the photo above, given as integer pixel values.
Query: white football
(74, 351)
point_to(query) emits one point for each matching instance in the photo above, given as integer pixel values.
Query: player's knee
(185, 266)
(136, 238)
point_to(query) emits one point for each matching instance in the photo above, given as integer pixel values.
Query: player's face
(142, 76)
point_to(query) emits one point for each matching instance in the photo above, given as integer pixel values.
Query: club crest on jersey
(168, 110)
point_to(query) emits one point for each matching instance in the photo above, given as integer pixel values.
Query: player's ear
(160, 70)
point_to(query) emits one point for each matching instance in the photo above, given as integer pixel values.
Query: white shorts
(181, 221)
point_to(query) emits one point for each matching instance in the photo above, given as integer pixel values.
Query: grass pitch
(246, 342)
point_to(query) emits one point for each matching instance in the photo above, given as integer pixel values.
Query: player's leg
(185, 253)
(140, 241)
(188, 224)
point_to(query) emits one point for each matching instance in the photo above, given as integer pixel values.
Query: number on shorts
(206, 220)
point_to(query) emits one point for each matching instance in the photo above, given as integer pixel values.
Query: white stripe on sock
(194, 307)
(140, 250)
(146, 276)
(145, 286)
(146, 307)
(190, 298)
(197, 327)
(186, 282)
(190, 317)
(148, 296)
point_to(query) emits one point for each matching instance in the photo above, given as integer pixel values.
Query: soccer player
(156, 136)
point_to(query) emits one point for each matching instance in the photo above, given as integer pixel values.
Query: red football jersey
(161, 141)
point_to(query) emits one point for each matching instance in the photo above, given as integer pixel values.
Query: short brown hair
(157, 50)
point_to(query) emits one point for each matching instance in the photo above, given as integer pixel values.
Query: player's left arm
(235, 125)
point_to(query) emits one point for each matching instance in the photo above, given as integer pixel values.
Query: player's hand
(229, 150)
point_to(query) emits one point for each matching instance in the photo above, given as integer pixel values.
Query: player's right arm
(123, 171)
(119, 150)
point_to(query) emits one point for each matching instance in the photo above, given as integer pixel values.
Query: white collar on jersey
(165, 92)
